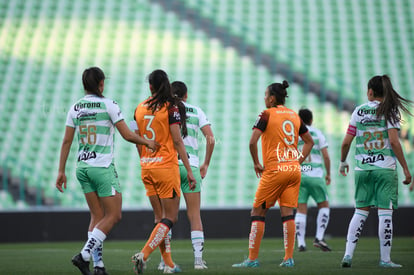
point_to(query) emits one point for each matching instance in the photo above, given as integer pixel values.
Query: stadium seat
(46, 45)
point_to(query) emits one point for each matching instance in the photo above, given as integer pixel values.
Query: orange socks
(256, 234)
(165, 248)
(289, 231)
(157, 236)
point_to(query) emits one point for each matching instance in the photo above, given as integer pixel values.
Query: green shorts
(376, 188)
(312, 187)
(184, 181)
(102, 180)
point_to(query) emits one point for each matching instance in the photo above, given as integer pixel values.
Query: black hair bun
(285, 84)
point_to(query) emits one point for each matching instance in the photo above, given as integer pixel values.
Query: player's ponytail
(91, 78)
(179, 91)
(392, 102)
(278, 90)
(162, 93)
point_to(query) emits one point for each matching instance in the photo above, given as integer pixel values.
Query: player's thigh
(266, 192)
(271, 186)
(84, 180)
(156, 208)
(364, 189)
(163, 182)
(290, 194)
(148, 181)
(386, 190)
(105, 180)
(185, 187)
(304, 190)
(318, 192)
(112, 205)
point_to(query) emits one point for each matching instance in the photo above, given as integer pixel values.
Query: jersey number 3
(148, 128)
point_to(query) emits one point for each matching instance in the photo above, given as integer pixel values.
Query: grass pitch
(220, 254)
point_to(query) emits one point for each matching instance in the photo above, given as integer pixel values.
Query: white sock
(197, 239)
(97, 254)
(354, 230)
(300, 221)
(322, 222)
(385, 233)
(95, 240)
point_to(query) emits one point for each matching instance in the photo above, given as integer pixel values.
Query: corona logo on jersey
(88, 105)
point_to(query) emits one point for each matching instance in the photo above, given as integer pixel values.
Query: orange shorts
(280, 185)
(163, 182)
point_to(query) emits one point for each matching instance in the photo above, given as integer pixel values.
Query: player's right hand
(191, 180)
(61, 180)
(153, 145)
(343, 168)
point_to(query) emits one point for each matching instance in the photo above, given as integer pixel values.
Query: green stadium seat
(40, 70)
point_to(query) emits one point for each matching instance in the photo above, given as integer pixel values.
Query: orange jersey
(156, 126)
(280, 128)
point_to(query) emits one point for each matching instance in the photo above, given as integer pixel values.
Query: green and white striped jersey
(196, 119)
(94, 118)
(373, 149)
(313, 164)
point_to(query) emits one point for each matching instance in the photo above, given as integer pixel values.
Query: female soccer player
(196, 120)
(280, 129)
(313, 184)
(159, 118)
(93, 119)
(375, 125)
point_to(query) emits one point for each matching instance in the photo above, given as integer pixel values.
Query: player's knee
(167, 222)
(117, 217)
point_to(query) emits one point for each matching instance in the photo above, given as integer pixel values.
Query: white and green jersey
(196, 119)
(94, 118)
(313, 164)
(373, 148)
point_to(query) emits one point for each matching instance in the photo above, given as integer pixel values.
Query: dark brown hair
(91, 78)
(162, 93)
(306, 116)
(179, 89)
(278, 90)
(392, 102)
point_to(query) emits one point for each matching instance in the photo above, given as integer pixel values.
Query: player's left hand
(408, 177)
(203, 170)
(328, 179)
(61, 180)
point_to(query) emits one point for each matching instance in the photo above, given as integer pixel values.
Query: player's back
(312, 166)
(280, 138)
(94, 118)
(373, 149)
(156, 126)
